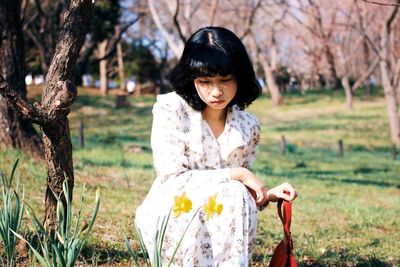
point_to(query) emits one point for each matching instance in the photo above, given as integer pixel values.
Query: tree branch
(213, 11)
(176, 23)
(21, 105)
(380, 3)
(39, 8)
(251, 19)
(176, 49)
(112, 44)
(59, 94)
(366, 74)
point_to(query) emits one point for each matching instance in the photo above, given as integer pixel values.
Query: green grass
(347, 212)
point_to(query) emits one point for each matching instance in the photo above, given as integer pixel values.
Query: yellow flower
(182, 205)
(212, 207)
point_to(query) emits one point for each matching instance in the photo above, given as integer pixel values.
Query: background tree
(57, 97)
(15, 131)
(105, 17)
(390, 69)
(140, 62)
(42, 23)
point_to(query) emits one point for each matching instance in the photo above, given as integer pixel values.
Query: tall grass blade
(11, 214)
(141, 244)
(130, 250)
(183, 235)
(59, 246)
(42, 260)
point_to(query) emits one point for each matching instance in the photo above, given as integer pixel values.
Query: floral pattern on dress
(188, 158)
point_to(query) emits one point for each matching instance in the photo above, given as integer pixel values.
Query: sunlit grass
(347, 212)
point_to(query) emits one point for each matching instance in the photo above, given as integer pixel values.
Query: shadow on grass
(349, 181)
(330, 258)
(331, 176)
(123, 163)
(111, 139)
(305, 125)
(104, 255)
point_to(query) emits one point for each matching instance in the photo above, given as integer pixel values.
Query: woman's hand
(280, 191)
(252, 182)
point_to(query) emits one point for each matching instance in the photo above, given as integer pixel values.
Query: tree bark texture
(44, 28)
(387, 73)
(347, 91)
(122, 93)
(272, 86)
(332, 77)
(103, 68)
(57, 97)
(15, 131)
(121, 73)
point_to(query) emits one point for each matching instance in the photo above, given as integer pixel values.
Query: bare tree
(175, 44)
(350, 43)
(15, 130)
(42, 25)
(390, 72)
(107, 48)
(57, 97)
(266, 45)
(319, 22)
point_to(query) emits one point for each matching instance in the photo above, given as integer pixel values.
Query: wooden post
(283, 145)
(341, 150)
(81, 137)
(394, 152)
(122, 100)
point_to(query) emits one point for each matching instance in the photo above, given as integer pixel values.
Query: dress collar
(234, 135)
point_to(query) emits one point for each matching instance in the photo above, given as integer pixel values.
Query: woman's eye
(203, 81)
(226, 80)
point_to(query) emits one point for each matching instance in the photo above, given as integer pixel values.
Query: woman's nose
(216, 91)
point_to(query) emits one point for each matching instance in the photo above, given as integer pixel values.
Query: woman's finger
(289, 192)
(285, 196)
(261, 198)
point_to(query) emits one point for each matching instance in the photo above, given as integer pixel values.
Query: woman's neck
(215, 115)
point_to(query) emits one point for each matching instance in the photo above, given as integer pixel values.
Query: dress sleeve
(253, 144)
(170, 151)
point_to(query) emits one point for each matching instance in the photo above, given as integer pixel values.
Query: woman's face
(216, 91)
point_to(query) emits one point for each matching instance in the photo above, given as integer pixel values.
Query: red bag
(283, 253)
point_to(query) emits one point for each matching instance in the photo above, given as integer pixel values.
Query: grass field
(348, 209)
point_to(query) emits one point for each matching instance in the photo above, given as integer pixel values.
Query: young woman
(204, 144)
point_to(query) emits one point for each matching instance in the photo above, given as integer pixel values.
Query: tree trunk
(386, 74)
(121, 73)
(348, 92)
(58, 151)
(398, 93)
(394, 119)
(121, 97)
(332, 77)
(315, 70)
(103, 68)
(345, 78)
(15, 131)
(367, 64)
(391, 104)
(272, 86)
(57, 97)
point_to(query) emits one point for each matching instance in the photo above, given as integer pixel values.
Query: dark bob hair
(215, 51)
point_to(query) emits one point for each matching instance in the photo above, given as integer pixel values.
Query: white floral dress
(188, 158)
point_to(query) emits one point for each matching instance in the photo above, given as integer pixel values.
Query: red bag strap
(286, 218)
